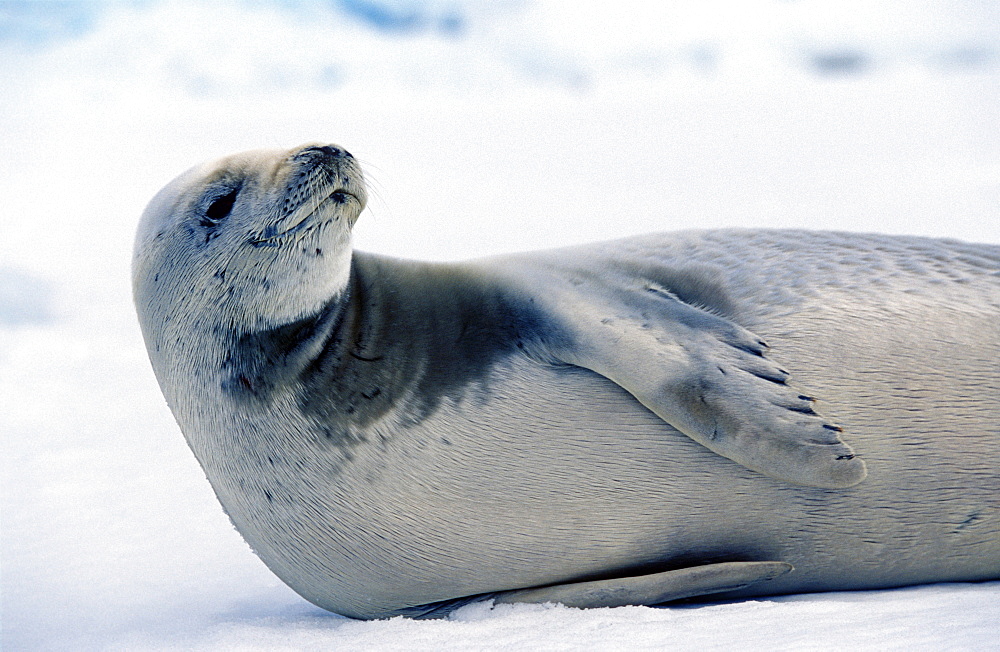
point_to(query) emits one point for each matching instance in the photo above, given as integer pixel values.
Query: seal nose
(326, 150)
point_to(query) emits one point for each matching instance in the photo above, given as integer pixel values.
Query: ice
(485, 127)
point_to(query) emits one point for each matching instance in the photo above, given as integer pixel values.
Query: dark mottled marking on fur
(420, 311)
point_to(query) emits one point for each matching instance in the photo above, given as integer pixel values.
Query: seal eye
(220, 208)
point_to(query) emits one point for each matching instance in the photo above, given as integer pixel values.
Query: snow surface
(484, 127)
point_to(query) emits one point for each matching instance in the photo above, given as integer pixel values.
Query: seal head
(264, 237)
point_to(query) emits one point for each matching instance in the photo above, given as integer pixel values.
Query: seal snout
(326, 151)
(321, 183)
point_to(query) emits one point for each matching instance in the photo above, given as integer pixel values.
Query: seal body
(401, 436)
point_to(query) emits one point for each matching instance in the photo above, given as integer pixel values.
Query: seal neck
(257, 364)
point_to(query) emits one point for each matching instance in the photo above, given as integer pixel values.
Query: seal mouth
(299, 218)
(324, 179)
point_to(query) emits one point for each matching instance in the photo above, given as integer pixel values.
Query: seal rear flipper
(641, 590)
(652, 589)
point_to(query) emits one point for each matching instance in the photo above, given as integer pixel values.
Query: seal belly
(505, 487)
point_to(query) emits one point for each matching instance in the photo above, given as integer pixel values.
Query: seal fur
(394, 437)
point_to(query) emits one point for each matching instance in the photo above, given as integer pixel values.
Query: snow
(484, 127)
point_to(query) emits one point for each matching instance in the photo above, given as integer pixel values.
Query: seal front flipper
(709, 378)
(652, 589)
